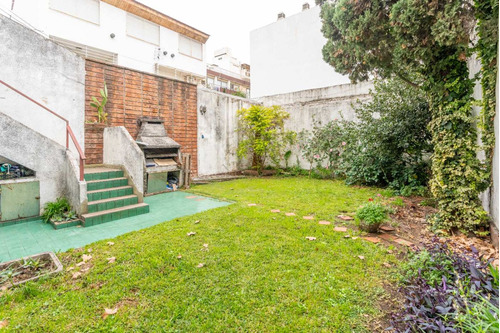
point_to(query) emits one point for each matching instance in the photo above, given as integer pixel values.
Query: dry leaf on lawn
(109, 312)
(386, 264)
(179, 257)
(197, 221)
(70, 269)
(80, 264)
(111, 260)
(89, 250)
(4, 323)
(311, 238)
(200, 265)
(361, 257)
(86, 257)
(111, 243)
(76, 275)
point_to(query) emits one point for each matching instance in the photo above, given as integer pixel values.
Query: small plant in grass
(58, 211)
(371, 216)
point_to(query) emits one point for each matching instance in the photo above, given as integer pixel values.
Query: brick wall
(133, 94)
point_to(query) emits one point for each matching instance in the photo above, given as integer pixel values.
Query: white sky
(228, 22)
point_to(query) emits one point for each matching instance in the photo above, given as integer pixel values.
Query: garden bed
(19, 271)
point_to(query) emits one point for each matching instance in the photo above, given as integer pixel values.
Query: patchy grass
(260, 273)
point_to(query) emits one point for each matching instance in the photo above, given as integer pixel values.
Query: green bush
(431, 267)
(372, 213)
(388, 145)
(480, 317)
(56, 210)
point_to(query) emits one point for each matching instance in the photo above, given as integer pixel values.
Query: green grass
(260, 274)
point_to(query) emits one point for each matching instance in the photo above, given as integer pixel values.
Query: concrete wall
(120, 149)
(318, 105)
(286, 56)
(46, 157)
(132, 52)
(217, 136)
(48, 73)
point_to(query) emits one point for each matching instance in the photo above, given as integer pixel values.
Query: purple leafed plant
(431, 305)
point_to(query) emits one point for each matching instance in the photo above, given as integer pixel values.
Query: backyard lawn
(259, 272)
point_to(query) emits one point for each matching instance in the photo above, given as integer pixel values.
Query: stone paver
(374, 240)
(252, 205)
(345, 217)
(340, 229)
(388, 237)
(290, 214)
(29, 238)
(387, 228)
(308, 217)
(325, 222)
(275, 211)
(403, 242)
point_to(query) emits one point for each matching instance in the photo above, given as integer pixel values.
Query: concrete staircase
(110, 197)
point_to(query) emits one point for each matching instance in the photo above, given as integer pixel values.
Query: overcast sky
(228, 22)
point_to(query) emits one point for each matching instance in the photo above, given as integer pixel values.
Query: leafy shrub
(388, 145)
(481, 317)
(372, 213)
(441, 286)
(264, 135)
(56, 210)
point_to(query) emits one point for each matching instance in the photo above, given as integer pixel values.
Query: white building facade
(227, 74)
(286, 56)
(122, 32)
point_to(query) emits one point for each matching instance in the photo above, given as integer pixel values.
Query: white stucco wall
(286, 56)
(46, 72)
(217, 136)
(132, 52)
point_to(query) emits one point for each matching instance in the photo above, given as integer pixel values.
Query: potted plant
(371, 216)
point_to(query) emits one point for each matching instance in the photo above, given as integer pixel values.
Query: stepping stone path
(290, 214)
(275, 210)
(374, 240)
(308, 217)
(345, 217)
(388, 237)
(340, 229)
(387, 228)
(325, 222)
(403, 242)
(252, 205)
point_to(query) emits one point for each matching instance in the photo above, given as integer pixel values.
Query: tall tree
(432, 39)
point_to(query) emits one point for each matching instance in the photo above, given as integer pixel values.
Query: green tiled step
(105, 204)
(102, 173)
(110, 193)
(109, 215)
(65, 224)
(101, 184)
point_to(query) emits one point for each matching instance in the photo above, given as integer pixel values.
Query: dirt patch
(410, 222)
(14, 272)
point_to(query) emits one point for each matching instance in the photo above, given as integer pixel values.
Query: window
(87, 10)
(143, 30)
(190, 47)
(223, 84)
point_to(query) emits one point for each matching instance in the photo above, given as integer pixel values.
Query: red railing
(69, 131)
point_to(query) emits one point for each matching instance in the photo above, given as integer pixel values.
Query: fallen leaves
(76, 275)
(200, 265)
(192, 233)
(311, 238)
(197, 221)
(252, 205)
(361, 257)
(109, 312)
(4, 323)
(179, 257)
(205, 247)
(386, 264)
(110, 243)
(340, 229)
(111, 260)
(86, 257)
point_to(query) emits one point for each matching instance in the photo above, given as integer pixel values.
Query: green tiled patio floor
(29, 238)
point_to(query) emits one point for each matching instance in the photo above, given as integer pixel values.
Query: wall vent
(281, 16)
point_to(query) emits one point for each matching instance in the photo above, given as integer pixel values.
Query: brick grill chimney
(281, 16)
(305, 6)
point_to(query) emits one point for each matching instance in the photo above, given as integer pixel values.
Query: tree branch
(407, 81)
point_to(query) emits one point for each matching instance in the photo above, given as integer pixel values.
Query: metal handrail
(69, 131)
